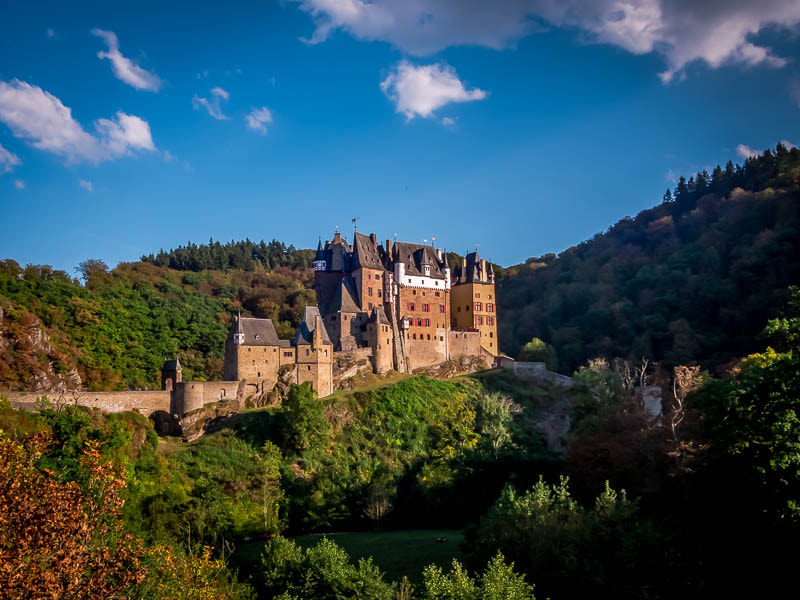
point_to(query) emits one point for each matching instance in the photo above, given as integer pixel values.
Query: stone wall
(464, 343)
(538, 370)
(145, 403)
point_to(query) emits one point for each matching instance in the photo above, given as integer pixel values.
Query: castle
(398, 305)
(394, 306)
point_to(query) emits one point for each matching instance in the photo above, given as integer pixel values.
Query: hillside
(691, 280)
(115, 331)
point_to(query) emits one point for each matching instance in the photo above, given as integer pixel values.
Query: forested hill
(114, 331)
(244, 255)
(693, 279)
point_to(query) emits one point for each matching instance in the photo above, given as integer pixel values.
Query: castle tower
(473, 302)
(171, 373)
(320, 264)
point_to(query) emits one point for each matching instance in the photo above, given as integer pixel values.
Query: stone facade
(474, 302)
(399, 299)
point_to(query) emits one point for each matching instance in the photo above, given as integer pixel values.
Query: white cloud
(8, 160)
(787, 144)
(448, 122)
(714, 31)
(258, 119)
(19, 184)
(87, 185)
(170, 158)
(419, 91)
(124, 68)
(38, 116)
(746, 151)
(212, 105)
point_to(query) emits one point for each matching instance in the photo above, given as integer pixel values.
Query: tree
(538, 351)
(754, 421)
(92, 269)
(498, 581)
(58, 540)
(667, 197)
(305, 425)
(494, 417)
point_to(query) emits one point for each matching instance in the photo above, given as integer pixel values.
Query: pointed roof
(257, 332)
(471, 270)
(305, 333)
(414, 256)
(365, 253)
(379, 316)
(320, 251)
(171, 365)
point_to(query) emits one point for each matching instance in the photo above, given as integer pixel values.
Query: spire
(320, 251)
(444, 257)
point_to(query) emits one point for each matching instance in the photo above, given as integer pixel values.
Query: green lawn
(396, 553)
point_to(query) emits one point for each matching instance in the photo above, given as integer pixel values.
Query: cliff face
(28, 358)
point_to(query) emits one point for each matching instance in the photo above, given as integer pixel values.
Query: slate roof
(343, 299)
(305, 333)
(379, 315)
(365, 253)
(470, 270)
(171, 365)
(257, 332)
(414, 256)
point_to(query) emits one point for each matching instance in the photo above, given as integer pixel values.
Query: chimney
(389, 247)
(373, 238)
(317, 337)
(484, 272)
(337, 237)
(439, 254)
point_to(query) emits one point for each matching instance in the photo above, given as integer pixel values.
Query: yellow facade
(473, 307)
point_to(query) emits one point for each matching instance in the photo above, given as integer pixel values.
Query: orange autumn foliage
(58, 540)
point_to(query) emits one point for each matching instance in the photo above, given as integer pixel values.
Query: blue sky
(524, 126)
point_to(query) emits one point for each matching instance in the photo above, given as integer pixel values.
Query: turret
(238, 332)
(320, 264)
(171, 373)
(445, 267)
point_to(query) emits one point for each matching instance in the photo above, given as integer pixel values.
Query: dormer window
(427, 270)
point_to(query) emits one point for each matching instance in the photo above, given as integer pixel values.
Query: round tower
(192, 396)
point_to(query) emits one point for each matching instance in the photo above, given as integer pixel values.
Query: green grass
(396, 553)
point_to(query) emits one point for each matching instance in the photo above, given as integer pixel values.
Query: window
(306, 352)
(426, 308)
(489, 307)
(419, 322)
(467, 308)
(441, 308)
(427, 323)
(459, 309)
(436, 293)
(415, 336)
(370, 305)
(423, 293)
(490, 320)
(379, 293)
(477, 295)
(326, 353)
(479, 320)
(490, 296)
(429, 336)
(414, 292)
(287, 353)
(491, 334)
(478, 306)
(369, 291)
(410, 306)
(441, 338)
(259, 374)
(309, 367)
